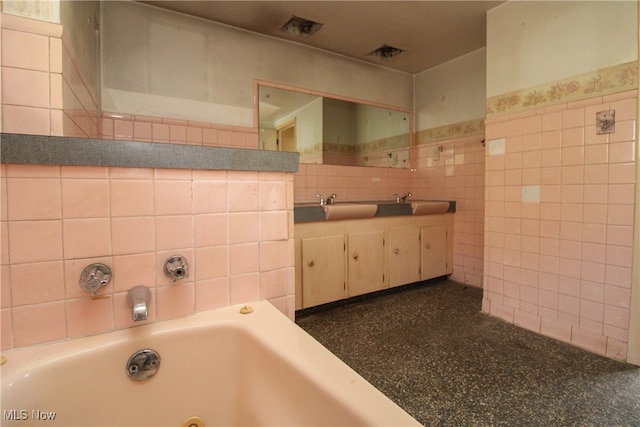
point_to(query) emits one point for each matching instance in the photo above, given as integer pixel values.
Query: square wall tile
(211, 294)
(212, 262)
(244, 258)
(16, 43)
(25, 87)
(33, 198)
(175, 300)
(211, 230)
(173, 232)
(273, 195)
(131, 235)
(243, 227)
(87, 237)
(35, 241)
(172, 197)
(244, 288)
(210, 196)
(26, 120)
(242, 196)
(37, 283)
(39, 323)
(133, 270)
(89, 316)
(131, 197)
(85, 198)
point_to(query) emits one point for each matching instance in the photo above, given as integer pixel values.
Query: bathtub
(221, 367)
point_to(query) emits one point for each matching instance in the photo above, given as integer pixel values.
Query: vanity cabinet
(341, 259)
(366, 262)
(404, 255)
(435, 262)
(323, 269)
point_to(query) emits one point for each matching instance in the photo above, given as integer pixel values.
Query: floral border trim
(390, 143)
(617, 78)
(452, 131)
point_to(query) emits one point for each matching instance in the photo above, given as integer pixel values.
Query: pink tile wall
(165, 130)
(562, 266)
(457, 175)
(31, 76)
(57, 220)
(235, 228)
(350, 182)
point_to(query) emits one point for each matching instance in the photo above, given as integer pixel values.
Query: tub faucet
(139, 298)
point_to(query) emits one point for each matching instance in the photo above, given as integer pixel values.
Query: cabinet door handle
(355, 256)
(311, 263)
(396, 251)
(428, 246)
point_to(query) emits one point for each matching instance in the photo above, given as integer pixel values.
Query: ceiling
(429, 32)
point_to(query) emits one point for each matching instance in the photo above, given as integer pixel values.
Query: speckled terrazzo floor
(430, 349)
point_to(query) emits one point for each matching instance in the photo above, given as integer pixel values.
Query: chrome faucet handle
(332, 199)
(322, 202)
(94, 277)
(403, 198)
(176, 267)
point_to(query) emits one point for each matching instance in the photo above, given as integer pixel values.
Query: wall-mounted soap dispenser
(176, 267)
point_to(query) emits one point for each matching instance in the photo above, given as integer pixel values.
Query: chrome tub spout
(139, 298)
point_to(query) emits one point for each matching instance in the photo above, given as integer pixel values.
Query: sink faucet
(329, 201)
(139, 298)
(402, 199)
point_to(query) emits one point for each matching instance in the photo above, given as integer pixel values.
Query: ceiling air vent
(300, 27)
(385, 52)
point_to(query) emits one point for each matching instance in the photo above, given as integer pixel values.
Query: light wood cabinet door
(365, 263)
(404, 256)
(323, 270)
(434, 251)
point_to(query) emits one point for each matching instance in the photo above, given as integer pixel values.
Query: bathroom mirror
(331, 131)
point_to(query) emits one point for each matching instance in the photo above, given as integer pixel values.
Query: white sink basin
(350, 211)
(429, 207)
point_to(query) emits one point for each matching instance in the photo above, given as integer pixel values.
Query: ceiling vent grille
(386, 52)
(300, 27)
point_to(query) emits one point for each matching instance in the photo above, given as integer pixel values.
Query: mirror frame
(261, 83)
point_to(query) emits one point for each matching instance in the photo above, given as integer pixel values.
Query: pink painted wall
(562, 265)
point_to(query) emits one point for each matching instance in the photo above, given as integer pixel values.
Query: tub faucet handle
(176, 267)
(94, 277)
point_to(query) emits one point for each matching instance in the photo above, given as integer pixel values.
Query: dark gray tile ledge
(67, 151)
